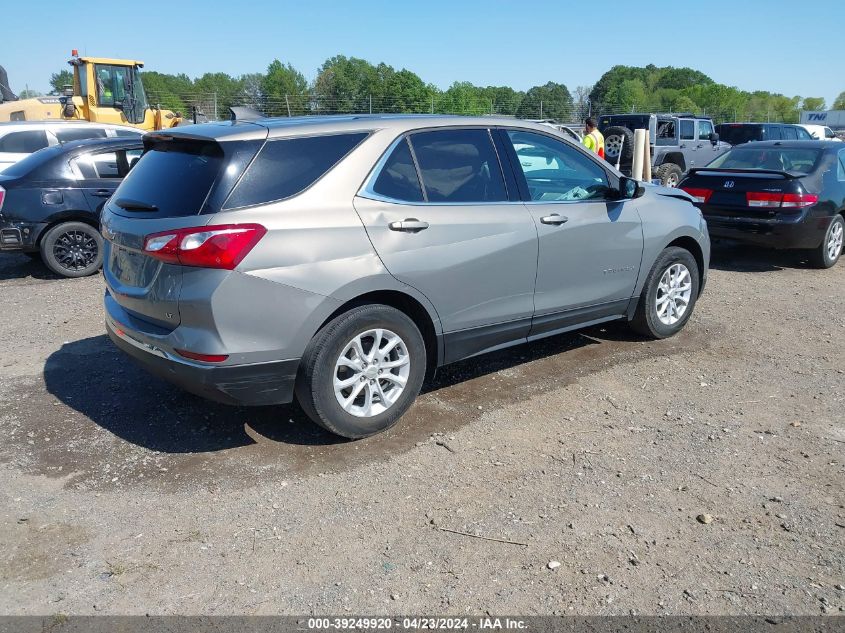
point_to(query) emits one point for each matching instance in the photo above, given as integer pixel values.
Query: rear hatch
(182, 177)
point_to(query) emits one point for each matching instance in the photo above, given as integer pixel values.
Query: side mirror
(714, 138)
(629, 188)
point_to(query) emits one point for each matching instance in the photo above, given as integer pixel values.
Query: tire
(610, 145)
(830, 250)
(670, 174)
(72, 249)
(315, 384)
(647, 320)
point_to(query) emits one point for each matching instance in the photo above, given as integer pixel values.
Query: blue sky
(774, 45)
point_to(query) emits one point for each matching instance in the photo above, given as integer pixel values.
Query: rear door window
(789, 133)
(78, 133)
(687, 130)
(286, 167)
(705, 129)
(773, 133)
(459, 166)
(840, 169)
(398, 178)
(23, 142)
(105, 164)
(175, 177)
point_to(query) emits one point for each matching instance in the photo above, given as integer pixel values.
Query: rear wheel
(669, 174)
(72, 249)
(362, 371)
(669, 295)
(830, 250)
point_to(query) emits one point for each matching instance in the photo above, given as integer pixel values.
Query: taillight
(769, 200)
(2, 197)
(221, 246)
(799, 200)
(699, 195)
(763, 199)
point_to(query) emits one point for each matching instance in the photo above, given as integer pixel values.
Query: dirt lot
(120, 494)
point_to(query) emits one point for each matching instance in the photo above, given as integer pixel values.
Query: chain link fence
(214, 107)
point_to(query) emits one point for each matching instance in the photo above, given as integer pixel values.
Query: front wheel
(362, 371)
(669, 295)
(72, 249)
(830, 250)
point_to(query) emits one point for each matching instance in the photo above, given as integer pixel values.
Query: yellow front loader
(104, 90)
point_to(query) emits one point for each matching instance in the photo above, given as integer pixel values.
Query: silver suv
(341, 260)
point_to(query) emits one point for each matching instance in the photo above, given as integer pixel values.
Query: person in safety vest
(593, 139)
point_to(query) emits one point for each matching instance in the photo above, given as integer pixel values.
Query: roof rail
(241, 113)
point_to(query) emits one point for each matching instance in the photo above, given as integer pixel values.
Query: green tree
(59, 80)
(550, 101)
(280, 81)
(168, 91)
(345, 84)
(839, 102)
(813, 104)
(626, 96)
(218, 90)
(463, 97)
(28, 94)
(404, 91)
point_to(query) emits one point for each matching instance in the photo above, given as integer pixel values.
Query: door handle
(554, 218)
(409, 225)
(103, 193)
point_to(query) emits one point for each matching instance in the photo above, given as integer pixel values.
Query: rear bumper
(804, 233)
(19, 236)
(250, 385)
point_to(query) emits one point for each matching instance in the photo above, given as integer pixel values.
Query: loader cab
(108, 90)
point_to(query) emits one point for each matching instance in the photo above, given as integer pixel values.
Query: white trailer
(834, 119)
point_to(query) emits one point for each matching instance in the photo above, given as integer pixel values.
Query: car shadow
(18, 266)
(122, 398)
(737, 257)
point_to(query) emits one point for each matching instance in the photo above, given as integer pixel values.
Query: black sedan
(50, 202)
(782, 194)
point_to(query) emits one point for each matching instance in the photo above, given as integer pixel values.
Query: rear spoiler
(777, 172)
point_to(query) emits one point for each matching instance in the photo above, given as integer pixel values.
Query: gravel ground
(698, 475)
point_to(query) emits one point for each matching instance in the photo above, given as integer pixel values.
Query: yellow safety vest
(594, 141)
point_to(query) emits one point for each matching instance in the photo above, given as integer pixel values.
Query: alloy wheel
(834, 240)
(371, 372)
(75, 250)
(673, 294)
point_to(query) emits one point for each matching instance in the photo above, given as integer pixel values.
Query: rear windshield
(78, 133)
(739, 134)
(174, 176)
(286, 167)
(793, 159)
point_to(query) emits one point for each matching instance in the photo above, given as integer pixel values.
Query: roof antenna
(241, 113)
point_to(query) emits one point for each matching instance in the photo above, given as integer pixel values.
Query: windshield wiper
(135, 205)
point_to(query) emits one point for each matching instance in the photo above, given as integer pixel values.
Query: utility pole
(432, 104)
(541, 108)
(371, 104)
(215, 105)
(287, 103)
